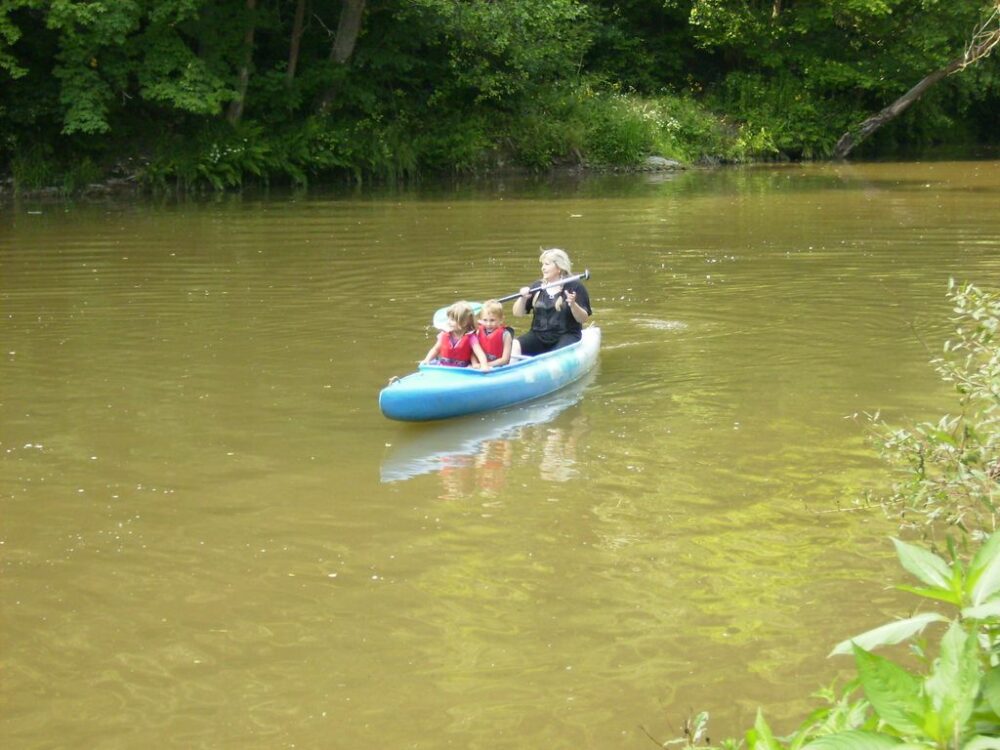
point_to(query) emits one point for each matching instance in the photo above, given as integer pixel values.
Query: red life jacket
(455, 354)
(492, 343)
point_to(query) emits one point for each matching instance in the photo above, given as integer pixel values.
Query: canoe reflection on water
(472, 454)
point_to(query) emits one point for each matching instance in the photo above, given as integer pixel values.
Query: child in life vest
(458, 346)
(495, 338)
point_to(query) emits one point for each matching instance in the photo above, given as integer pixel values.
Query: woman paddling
(559, 311)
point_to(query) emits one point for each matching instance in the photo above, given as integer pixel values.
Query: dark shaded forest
(193, 94)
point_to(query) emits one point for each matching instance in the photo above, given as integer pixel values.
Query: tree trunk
(293, 48)
(853, 137)
(236, 105)
(348, 30)
(983, 41)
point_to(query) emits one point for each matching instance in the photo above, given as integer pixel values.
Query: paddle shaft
(440, 320)
(585, 275)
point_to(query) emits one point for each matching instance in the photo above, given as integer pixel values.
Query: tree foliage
(445, 84)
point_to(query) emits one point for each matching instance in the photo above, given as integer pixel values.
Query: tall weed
(949, 474)
(948, 469)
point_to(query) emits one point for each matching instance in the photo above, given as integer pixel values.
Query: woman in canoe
(558, 312)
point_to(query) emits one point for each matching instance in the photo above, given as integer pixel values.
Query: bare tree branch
(984, 39)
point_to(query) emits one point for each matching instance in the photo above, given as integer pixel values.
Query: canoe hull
(435, 392)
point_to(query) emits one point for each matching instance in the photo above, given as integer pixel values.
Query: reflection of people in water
(485, 473)
(559, 446)
(456, 476)
(492, 463)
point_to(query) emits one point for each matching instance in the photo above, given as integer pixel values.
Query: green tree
(344, 41)
(243, 76)
(806, 71)
(10, 33)
(983, 40)
(170, 72)
(92, 65)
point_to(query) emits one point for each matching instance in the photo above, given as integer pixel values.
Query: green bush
(948, 469)
(607, 128)
(949, 475)
(619, 130)
(219, 157)
(33, 168)
(455, 144)
(780, 114)
(951, 701)
(548, 130)
(82, 173)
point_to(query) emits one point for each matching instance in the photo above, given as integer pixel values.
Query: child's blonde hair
(492, 307)
(461, 314)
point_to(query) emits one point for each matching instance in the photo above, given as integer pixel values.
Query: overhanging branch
(983, 41)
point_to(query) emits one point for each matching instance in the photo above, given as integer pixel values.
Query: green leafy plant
(948, 474)
(33, 168)
(950, 702)
(954, 704)
(949, 468)
(619, 130)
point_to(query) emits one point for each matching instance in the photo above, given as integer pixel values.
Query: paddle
(440, 320)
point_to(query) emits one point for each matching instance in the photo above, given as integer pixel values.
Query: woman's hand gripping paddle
(440, 320)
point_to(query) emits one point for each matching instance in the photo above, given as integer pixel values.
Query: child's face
(490, 320)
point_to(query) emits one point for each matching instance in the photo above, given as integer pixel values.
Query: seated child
(458, 346)
(495, 338)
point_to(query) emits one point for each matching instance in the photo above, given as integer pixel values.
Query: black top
(549, 323)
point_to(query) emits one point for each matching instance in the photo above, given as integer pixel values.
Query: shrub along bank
(579, 129)
(948, 474)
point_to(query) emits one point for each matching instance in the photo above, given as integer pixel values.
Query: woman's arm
(520, 306)
(578, 311)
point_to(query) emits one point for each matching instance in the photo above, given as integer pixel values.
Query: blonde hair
(559, 257)
(461, 314)
(561, 260)
(492, 307)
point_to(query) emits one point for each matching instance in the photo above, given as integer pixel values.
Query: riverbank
(579, 129)
(137, 184)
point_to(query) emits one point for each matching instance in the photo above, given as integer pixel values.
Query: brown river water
(211, 538)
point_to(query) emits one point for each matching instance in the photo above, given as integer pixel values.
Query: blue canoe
(437, 392)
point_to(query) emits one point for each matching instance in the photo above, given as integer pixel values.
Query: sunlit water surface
(211, 537)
